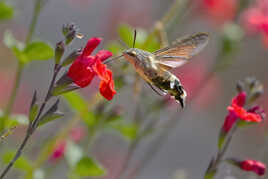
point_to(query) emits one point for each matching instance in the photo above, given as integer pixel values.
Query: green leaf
(39, 51)
(87, 167)
(50, 117)
(126, 34)
(77, 103)
(114, 47)
(73, 153)
(22, 163)
(128, 130)
(6, 11)
(33, 112)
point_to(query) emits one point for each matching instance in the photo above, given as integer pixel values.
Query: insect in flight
(155, 67)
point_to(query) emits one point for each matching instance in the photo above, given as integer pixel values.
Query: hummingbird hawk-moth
(155, 67)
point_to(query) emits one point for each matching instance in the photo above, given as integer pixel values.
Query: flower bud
(249, 165)
(69, 31)
(59, 51)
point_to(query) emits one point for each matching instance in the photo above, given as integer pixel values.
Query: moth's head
(131, 54)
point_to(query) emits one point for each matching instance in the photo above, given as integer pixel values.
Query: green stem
(12, 97)
(37, 9)
(11, 101)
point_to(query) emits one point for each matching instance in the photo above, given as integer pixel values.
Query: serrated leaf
(6, 11)
(38, 51)
(22, 163)
(77, 103)
(87, 167)
(73, 153)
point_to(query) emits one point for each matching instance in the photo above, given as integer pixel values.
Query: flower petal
(240, 99)
(103, 55)
(230, 119)
(81, 71)
(107, 87)
(91, 45)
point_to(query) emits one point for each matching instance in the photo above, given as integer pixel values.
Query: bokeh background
(187, 150)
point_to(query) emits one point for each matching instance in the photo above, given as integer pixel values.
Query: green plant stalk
(20, 67)
(12, 98)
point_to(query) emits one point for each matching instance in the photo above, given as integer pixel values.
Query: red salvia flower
(236, 111)
(256, 18)
(220, 10)
(253, 166)
(86, 67)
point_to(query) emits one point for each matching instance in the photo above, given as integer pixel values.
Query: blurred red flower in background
(256, 19)
(76, 135)
(253, 166)
(86, 67)
(58, 150)
(220, 11)
(192, 76)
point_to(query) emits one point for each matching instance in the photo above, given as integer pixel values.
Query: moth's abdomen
(172, 85)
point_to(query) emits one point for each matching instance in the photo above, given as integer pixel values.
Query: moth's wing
(181, 51)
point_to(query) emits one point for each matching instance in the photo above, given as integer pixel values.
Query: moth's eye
(133, 54)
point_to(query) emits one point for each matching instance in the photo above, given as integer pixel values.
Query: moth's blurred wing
(181, 51)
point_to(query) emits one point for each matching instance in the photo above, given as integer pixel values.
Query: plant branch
(32, 126)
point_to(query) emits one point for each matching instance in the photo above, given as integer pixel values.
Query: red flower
(220, 10)
(256, 18)
(236, 111)
(253, 166)
(59, 150)
(86, 67)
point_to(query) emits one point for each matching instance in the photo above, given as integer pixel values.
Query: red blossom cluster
(87, 66)
(256, 19)
(237, 111)
(220, 10)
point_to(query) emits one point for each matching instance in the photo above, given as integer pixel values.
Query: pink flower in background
(256, 19)
(220, 11)
(77, 133)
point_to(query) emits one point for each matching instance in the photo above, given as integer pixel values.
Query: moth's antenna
(112, 59)
(135, 35)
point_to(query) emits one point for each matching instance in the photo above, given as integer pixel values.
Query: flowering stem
(212, 169)
(32, 125)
